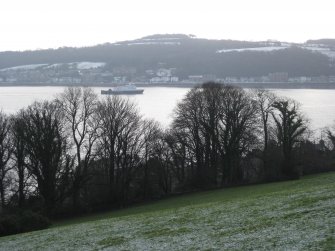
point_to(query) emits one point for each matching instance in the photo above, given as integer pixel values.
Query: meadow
(290, 215)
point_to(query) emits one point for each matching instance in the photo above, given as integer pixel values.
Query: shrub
(22, 222)
(30, 221)
(9, 224)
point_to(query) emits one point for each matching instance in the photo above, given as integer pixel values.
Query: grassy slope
(287, 215)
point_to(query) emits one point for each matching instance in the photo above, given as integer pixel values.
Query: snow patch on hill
(24, 67)
(89, 65)
(325, 51)
(315, 48)
(160, 39)
(259, 49)
(53, 66)
(77, 65)
(154, 43)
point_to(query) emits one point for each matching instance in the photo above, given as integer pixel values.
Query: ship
(123, 90)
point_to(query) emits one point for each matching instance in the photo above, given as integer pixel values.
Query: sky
(40, 24)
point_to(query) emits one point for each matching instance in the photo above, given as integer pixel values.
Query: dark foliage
(22, 222)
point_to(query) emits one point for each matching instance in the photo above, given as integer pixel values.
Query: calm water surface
(159, 102)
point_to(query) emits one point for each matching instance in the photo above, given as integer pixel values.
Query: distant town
(95, 73)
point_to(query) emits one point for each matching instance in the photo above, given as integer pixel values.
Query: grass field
(293, 215)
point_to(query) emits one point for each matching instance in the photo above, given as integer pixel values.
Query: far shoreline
(272, 85)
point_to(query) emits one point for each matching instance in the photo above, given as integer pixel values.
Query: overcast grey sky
(55, 23)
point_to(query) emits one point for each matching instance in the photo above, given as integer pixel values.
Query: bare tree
(177, 156)
(264, 102)
(237, 131)
(151, 132)
(19, 155)
(46, 147)
(78, 106)
(119, 142)
(5, 155)
(329, 137)
(188, 122)
(290, 127)
(212, 113)
(219, 125)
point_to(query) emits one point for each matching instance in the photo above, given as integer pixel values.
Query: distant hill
(189, 55)
(324, 42)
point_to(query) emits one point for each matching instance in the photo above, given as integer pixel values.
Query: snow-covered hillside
(329, 52)
(24, 67)
(75, 65)
(265, 49)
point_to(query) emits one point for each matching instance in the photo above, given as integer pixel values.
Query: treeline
(79, 153)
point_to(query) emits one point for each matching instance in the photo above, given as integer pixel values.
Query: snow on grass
(296, 215)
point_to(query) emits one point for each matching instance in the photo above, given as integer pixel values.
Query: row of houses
(67, 74)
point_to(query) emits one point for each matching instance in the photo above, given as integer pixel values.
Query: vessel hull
(114, 92)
